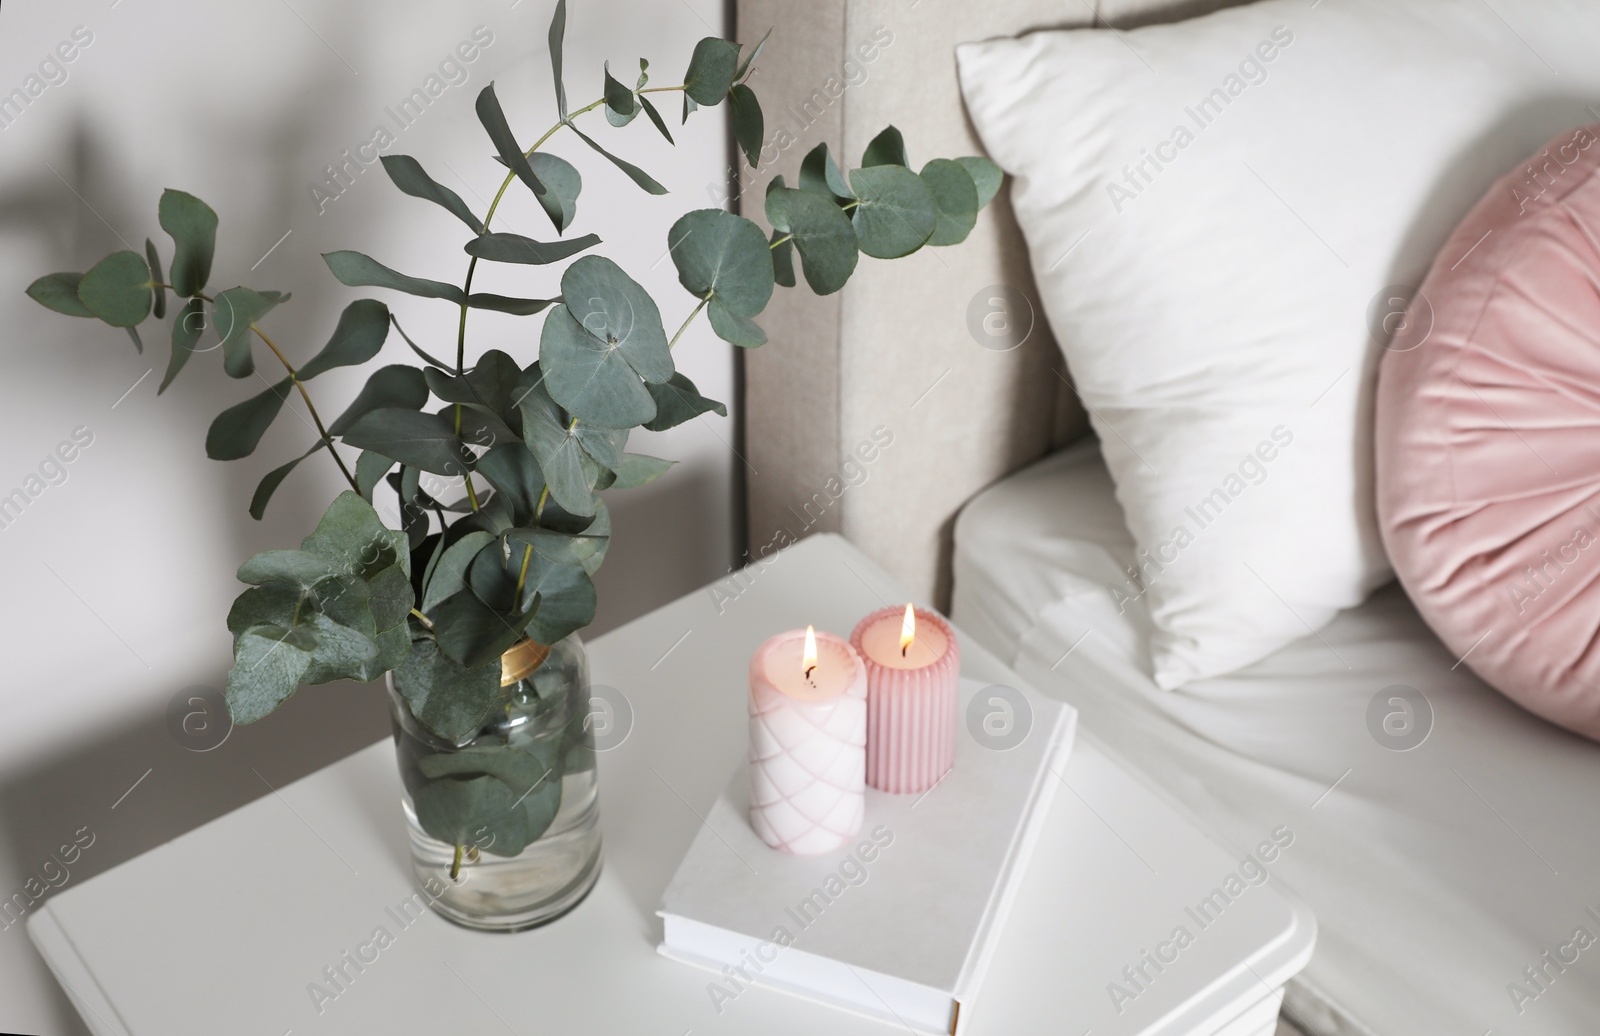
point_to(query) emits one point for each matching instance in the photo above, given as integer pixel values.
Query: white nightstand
(224, 929)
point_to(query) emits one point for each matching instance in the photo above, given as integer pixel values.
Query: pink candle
(913, 667)
(808, 735)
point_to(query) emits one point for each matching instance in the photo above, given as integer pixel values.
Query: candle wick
(808, 671)
(903, 650)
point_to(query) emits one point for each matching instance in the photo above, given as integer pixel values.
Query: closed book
(901, 924)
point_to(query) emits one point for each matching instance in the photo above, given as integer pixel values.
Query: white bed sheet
(1438, 875)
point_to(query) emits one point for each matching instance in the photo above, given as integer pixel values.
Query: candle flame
(908, 630)
(809, 659)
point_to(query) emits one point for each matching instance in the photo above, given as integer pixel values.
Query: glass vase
(505, 825)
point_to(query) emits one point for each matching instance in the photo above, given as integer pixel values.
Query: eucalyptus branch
(689, 320)
(322, 429)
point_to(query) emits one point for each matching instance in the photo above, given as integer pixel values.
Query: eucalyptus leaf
(234, 312)
(560, 548)
(557, 34)
(782, 247)
(268, 662)
(273, 479)
(389, 594)
(117, 289)
(985, 174)
(820, 174)
(408, 175)
(596, 347)
(449, 576)
(897, 213)
(887, 148)
(295, 567)
(505, 143)
(514, 248)
(237, 430)
(637, 469)
(556, 448)
(734, 328)
(270, 604)
(956, 198)
(352, 537)
(341, 653)
(750, 58)
(472, 633)
(823, 235)
(502, 304)
(688, 106)
(363, 271)
(363, 328)
(722, 256)
(481, 812)
(425, 441)
(153, 260)
(514, 473)
(394, 386)
(187, 324)
(621, 105)
(59, 291)
(637, 175)
(566, 599)
(678, 401)
(371, 466)
(449, 699)
(562, 186)
(655, 117)
(192, 225)
(712, 67)
(414, 346)
(749, 129)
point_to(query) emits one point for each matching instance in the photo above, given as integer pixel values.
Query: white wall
(117, 580)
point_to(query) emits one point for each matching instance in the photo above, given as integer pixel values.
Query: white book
(901, 925)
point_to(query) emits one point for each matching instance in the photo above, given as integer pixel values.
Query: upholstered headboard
(879, 411)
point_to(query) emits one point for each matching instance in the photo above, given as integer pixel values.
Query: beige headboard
(903, 354)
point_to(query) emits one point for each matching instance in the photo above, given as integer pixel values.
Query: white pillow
(1215, 210)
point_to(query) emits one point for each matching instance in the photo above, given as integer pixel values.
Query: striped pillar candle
(913, 667)
(808, 737)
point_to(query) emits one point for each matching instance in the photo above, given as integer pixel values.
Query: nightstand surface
(227, 928)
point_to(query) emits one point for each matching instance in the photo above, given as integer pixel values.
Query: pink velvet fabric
(1488, 438)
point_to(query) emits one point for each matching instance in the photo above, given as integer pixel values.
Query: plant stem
(781, 240)
(322, 430)
(422, 618)
(661, 89)
(455, 865)
(685, 326)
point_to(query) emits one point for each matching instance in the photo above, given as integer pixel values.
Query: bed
(1438, 874)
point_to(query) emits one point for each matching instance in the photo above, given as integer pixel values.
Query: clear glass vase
(505, 825)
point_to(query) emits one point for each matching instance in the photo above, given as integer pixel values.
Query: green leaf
(637, 175)
(395, 386)
(638, 469)
(187, 324)
(532, 772)
(192, 225)
(750, 58)
(711, 70)
(473, 633)
(734, 328)
(295, 567)
(117, 289)
(415, 347)
(655, 117)
(153, 260)
(371, 466)
(363, 328)
(956, 198)
(502, 304)
(722, 256)
(271, 604)
(688, 106)
(361, 271)
(823, 235)
(341, 653)
(352, 537)
(514, 248)
(749, 129)
(560, 548)
(559, 453)
(238, 429)
(565, 595)
(133, 335)
(558, 31)
(408, 175)
(595, 348)
(273, 479)
(390, 596)
(985, 174)
(621, 105)
(268, 662)
(897, 213)
(425, 441)
(494, 123)
(59, 291)
(782, 247)
(477, 812)
(514, 473)
(562, 185)
(820, 174)
(233, 312)
(678, 401)
(450, 574)
(449, 699)
(887, 148)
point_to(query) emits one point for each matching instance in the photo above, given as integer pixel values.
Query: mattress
(1448, 842)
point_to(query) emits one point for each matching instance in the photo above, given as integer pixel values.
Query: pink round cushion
(1488, 457)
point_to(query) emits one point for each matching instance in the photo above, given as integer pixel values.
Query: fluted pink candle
(808, 736)
(913, 668)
